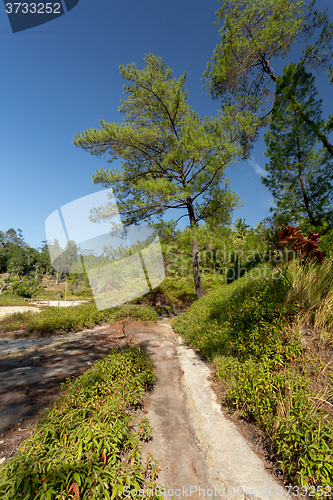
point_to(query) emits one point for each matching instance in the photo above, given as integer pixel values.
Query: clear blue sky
(60, 78)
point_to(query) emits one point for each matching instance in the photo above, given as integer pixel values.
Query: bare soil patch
(29, 383)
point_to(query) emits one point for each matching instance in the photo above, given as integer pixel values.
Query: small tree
(241, 228)
(172, 159)
(26, 286)
(78, 283)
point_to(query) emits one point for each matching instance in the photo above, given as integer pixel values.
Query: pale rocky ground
(8, 310)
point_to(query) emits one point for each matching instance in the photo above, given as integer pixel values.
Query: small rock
(2, 460)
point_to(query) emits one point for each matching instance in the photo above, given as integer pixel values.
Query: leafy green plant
(86, 445)
(326, 243)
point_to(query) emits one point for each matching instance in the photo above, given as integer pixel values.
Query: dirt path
(202, 453)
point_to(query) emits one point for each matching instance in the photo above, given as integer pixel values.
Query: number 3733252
(33, 8)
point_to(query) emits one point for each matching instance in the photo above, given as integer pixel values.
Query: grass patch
(312, 291)
(75, 318)
(10, 300)
(237, 318)
(87, 443)
(245, 328)
(52, 295)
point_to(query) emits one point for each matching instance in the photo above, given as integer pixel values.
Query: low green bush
(75, 318)
(244, 329)
(87, 444)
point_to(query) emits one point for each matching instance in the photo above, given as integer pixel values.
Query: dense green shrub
(87, 441)
(244, 328)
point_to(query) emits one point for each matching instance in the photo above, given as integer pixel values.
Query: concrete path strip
(202, 453)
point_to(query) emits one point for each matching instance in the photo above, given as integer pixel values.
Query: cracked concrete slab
(232, 464)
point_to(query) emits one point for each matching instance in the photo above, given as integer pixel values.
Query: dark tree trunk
(306, 200)
(196, 271)
(317, 131)
(199, 289)
(301, 180)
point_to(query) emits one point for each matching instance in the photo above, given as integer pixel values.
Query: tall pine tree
(172, 159)
(300, 174)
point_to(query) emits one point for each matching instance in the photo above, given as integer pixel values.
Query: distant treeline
(17, 257)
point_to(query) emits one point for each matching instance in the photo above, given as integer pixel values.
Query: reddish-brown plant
(306, 246)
